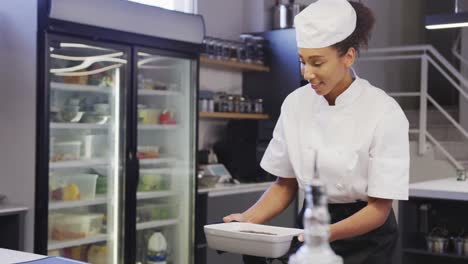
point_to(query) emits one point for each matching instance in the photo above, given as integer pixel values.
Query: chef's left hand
(301, 237)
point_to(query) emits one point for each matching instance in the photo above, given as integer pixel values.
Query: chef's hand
(234, 217)
(301, 237)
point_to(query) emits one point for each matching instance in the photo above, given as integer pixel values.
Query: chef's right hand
(234, 218)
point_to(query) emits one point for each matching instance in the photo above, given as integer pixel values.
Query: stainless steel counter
(231, 189)
(449, 188)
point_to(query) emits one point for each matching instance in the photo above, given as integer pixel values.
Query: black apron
(377, 246)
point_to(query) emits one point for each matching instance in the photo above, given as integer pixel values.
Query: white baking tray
(230, 238)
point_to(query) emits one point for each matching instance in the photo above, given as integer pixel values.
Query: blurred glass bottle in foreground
(316, 248)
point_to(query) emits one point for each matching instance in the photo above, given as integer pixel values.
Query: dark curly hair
(361, 35)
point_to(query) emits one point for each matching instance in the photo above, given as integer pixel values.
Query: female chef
(360, 133)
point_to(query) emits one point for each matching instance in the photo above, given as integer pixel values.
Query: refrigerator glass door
(166, 152)
(87, 98)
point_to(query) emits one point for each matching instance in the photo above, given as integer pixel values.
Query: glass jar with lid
(258, 106)
(249, 47)
(259, 49)
(225, 50)
(229, 106)
(237, 105)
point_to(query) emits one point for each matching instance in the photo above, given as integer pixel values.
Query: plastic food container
(70, 187)
(65, 151)
(95, 146)
(153, 181)
(51, 222)
(154, 212)
(74, 226)
(250, 239)
(148, 152)
(149, 116)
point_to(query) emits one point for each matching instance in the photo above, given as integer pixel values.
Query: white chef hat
(324, 23)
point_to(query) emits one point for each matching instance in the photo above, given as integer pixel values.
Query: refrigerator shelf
(78, 164)
(81, 203)
(152, 195)
(157, 127)
(79, 88)
(53, 244)
(158, 93)
(78, 126)
(158, 170)
(155, 224)
(157, 161)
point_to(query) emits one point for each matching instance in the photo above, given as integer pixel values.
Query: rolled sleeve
(276, 159)
(389, 157)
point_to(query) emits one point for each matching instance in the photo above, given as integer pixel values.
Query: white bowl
(231, 237)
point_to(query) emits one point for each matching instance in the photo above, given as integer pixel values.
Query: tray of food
(250, 239)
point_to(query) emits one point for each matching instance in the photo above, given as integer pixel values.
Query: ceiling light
(447, 21)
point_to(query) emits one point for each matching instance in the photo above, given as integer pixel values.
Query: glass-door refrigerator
(116, 138)
(87, 87)
(166, 154)
(102, 205)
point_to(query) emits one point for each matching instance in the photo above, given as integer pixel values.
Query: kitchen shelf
(155, 224)
(74, 204)
(232, 65)
(153, 195)
(427, 253)
(78, 126)
(78, 164)
(222, 115)
(79, 88)
(53, 244)
(157, 161)
(157, 127)
(142, 92)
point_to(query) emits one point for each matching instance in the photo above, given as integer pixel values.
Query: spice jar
(259, 106)
(229, 104)
(237, 106)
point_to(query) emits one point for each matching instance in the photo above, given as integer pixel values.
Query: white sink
(448, 188)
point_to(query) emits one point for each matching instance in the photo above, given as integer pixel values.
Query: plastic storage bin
(250, 239)
(70, 187)
(74, 226)
(155, 212)
(64, 151)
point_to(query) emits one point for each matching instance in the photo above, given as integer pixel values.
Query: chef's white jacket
(362, 143)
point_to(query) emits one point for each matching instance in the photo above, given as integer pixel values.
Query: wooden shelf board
(232, 115)
(233, 65)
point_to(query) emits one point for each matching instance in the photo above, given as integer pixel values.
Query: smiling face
(327, 71)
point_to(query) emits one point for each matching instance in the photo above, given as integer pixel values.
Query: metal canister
(203, 105)
(284, 12)
(440, 245)
(465, 246)
(210, 105)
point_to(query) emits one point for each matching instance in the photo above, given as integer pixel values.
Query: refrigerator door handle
(137, 163)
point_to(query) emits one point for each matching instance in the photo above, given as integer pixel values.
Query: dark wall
(443, 41)
(284, 76)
